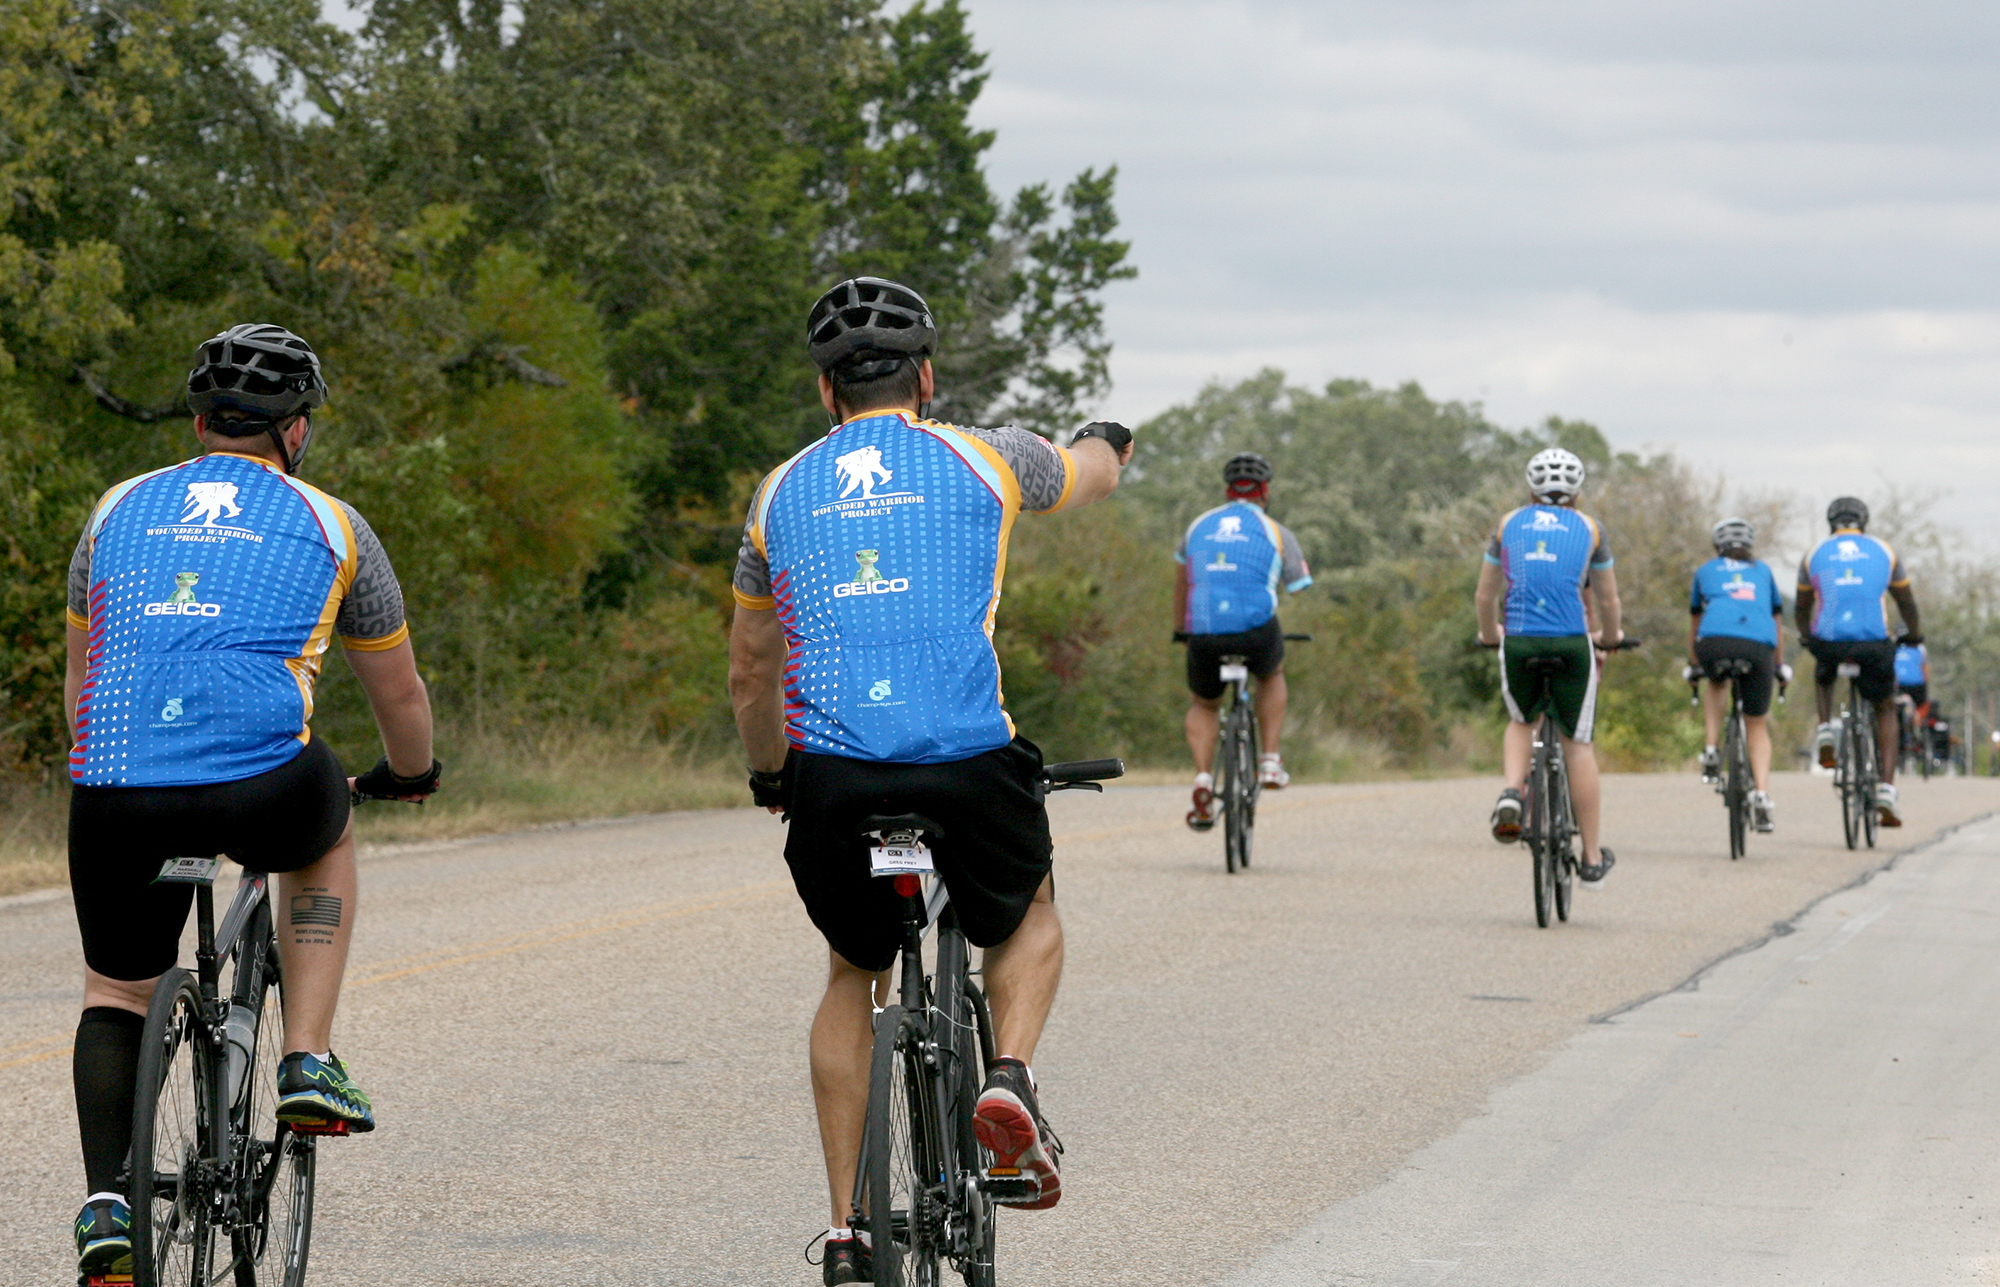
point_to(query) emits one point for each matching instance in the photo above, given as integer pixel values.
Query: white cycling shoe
(1271, 773)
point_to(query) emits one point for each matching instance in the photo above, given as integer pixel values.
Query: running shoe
(1885, 804)
(1593, 877)
(1202, 816)
(1760, 812)
(1271, 773)
(103, 1239)
(1825, 740)
(316, 1095)
(1506, 818)
(848, 1260)
(1008, 1122)
(1711, 767)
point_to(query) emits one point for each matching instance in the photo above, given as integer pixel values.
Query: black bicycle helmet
(1247, 466)
(868, 326)
(1733, 534)
(263, 371)
(1847, 511)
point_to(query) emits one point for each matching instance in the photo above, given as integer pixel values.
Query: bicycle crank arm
(1006, 1185)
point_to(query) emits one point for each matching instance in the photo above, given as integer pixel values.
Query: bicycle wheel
(1562, 834)
(173, 1239)
(1736, 786)
(1235, 789)
(1870, 775)
(1253, 782)
(276, 1232)
(896, 1198)
(976, 1211)
(1848, 782)
(1536, 833)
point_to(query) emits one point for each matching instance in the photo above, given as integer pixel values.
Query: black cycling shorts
(280, 820)
(1262, 648)
(1758, 683)
(1877, 658)
(994, 855)
(1918, 693)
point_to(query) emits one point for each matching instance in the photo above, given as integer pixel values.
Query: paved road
(587, 1045)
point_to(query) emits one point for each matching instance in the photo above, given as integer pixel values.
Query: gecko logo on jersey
(868, 580)
(1220, 563)
(182, 602)
(1540, 554)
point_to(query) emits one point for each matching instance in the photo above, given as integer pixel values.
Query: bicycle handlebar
(1300, 638)
(1079, 771)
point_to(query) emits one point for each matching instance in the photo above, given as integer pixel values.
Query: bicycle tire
(1736, 786)
(1253, 782)
(978, 1267)
(280, 1163)
(1871, 815)
(972, 1215)
(1562, 851)
(1538, 835)
(1847, 782)
(1235, 791)
(892, 1139)
(173, 1128)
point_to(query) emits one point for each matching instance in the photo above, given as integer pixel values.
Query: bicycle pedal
(1007, 1184)
(322, 1128)
(108, 1280)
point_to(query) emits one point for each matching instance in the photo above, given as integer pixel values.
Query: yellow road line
(63, 1049)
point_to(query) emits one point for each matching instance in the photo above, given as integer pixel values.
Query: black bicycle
(220, 1189)
(1737, 782)
(1548, 820)
(1236, 755)
(925, 1190)
(1856, 770)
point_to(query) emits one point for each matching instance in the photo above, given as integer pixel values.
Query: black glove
(384, 783)
(1117, 435)
(770, 790)
(1911, 640)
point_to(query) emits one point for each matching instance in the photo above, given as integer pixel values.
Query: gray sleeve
(79, 577)
(752, 578)
(373, 608)
(1296, 574)
(1043, 470)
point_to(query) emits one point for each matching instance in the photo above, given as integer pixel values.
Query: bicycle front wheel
(1849, 784)
(1539, 834)
(1237, 785)
(1562, 836)
(1736, 791)
(896, 1198)
(173, 1236)
(276, 1234)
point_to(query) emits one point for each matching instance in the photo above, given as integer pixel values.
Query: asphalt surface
(587, 1045)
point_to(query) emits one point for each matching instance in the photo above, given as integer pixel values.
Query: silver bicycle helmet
(1733, 534)
(1555, 474)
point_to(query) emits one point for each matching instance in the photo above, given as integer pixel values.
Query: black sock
(105, 1067)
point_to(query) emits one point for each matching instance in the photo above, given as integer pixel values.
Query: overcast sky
(1760, 234)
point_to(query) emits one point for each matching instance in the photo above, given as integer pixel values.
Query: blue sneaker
(103, 1239)
(320, 1097)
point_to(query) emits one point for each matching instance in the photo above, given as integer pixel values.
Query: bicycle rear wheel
(1870, 775)
(895, 1197)
(1736, 787)
(1236, 787)
(1562, 835)
(173, 1239)
(1538, 834)
(1849, 783)
(276, 1234)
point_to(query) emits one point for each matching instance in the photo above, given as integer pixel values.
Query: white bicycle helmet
(1555, 474)
(1732, 534)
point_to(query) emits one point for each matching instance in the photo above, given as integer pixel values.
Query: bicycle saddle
(1732, 666)
(889, 824)
(1549, 664)
(1848, 670)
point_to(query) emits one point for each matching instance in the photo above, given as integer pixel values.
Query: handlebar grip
(1627, 644)
(1299, 638)
(1084, 771)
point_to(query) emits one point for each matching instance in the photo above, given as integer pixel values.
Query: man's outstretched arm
(756, 685)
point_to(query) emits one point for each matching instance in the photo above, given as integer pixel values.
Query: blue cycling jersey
(214, 587)
(1236, 557)
(1849, 574)
(1736, 600)
(1912, 666)
(1547, 553)
(882, 548)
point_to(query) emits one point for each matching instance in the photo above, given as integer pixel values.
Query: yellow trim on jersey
(1069, 479)
(305, 666)
(755, 602)
(384, 644)
(81, 623)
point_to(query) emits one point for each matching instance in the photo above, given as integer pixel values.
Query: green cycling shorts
(1571, 692)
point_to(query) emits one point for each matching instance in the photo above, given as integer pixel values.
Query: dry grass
(34, 819)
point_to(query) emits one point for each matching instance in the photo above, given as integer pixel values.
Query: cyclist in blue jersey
(202, 598)
(863, 675)
(1842, 616)
(1530, 601)
(1736, 604)
(1233, 561)
(1913, 674)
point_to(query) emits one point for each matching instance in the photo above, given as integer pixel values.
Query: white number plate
(189, 871)
(1241, 674)
(895, 860)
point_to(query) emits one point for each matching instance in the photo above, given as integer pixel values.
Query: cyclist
(1841, 617)
(864, 679)
(201, 600)
(1913, 688)
(1531, 602)
(1232, 561)
(1736, 604)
